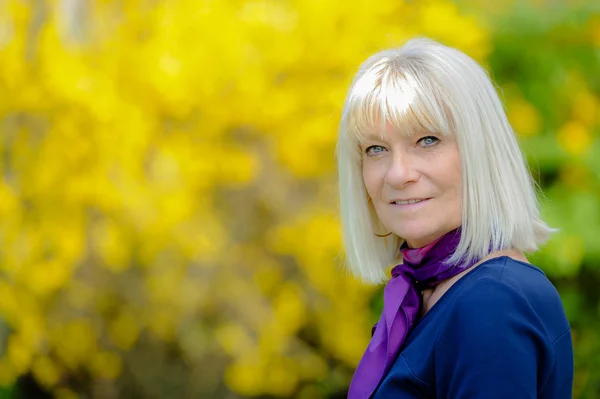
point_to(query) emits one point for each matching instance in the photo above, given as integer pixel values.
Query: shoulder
(506, 291)
(507, 320)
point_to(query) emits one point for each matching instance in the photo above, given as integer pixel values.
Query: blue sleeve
(492, 347)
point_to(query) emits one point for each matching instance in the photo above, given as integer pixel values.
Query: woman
(432, 180)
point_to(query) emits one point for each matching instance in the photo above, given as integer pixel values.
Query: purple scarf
(421, 268)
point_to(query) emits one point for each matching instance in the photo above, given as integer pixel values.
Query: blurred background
(168, 204)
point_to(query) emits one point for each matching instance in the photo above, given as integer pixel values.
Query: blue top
(499, 332)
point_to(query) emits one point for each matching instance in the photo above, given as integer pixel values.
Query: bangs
(399, 96)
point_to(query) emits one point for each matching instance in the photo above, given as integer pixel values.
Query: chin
(420, 237)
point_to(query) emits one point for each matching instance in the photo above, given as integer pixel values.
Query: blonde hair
(431, 87)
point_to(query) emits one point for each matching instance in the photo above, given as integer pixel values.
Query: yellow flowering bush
(167, 203)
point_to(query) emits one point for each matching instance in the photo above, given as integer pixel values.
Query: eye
(428, 141)
(374, 150)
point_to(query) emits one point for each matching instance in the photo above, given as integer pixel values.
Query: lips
(408, 201)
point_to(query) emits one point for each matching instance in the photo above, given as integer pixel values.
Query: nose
(401, 171)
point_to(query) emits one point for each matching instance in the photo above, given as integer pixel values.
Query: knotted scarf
(421, 268)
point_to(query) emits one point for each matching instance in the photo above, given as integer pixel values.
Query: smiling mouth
(409, 202)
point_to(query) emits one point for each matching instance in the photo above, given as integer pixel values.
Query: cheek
(450, 179)
(454, 172)
(456, 188)
(373, 178)
(454, 179)
(369, 179)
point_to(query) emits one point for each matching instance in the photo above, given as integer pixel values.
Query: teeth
(408, 202)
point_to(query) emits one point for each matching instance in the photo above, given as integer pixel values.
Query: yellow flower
(8, 374)
(245, 376)
(234, 339)
(46, 371)
(574, 138)
(289, 308)
(110, 242)
(524, 117)
(162, 323)
(124, 330)
(19, 353)
(586, 107)
(107, 365)
(75, 342)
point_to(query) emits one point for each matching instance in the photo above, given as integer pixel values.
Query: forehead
(388, 99)
(391, 131)
(407, 130)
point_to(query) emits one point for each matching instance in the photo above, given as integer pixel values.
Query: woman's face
(414, 184)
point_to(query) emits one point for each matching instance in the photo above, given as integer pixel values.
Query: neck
(425, 241)
(511, 253)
